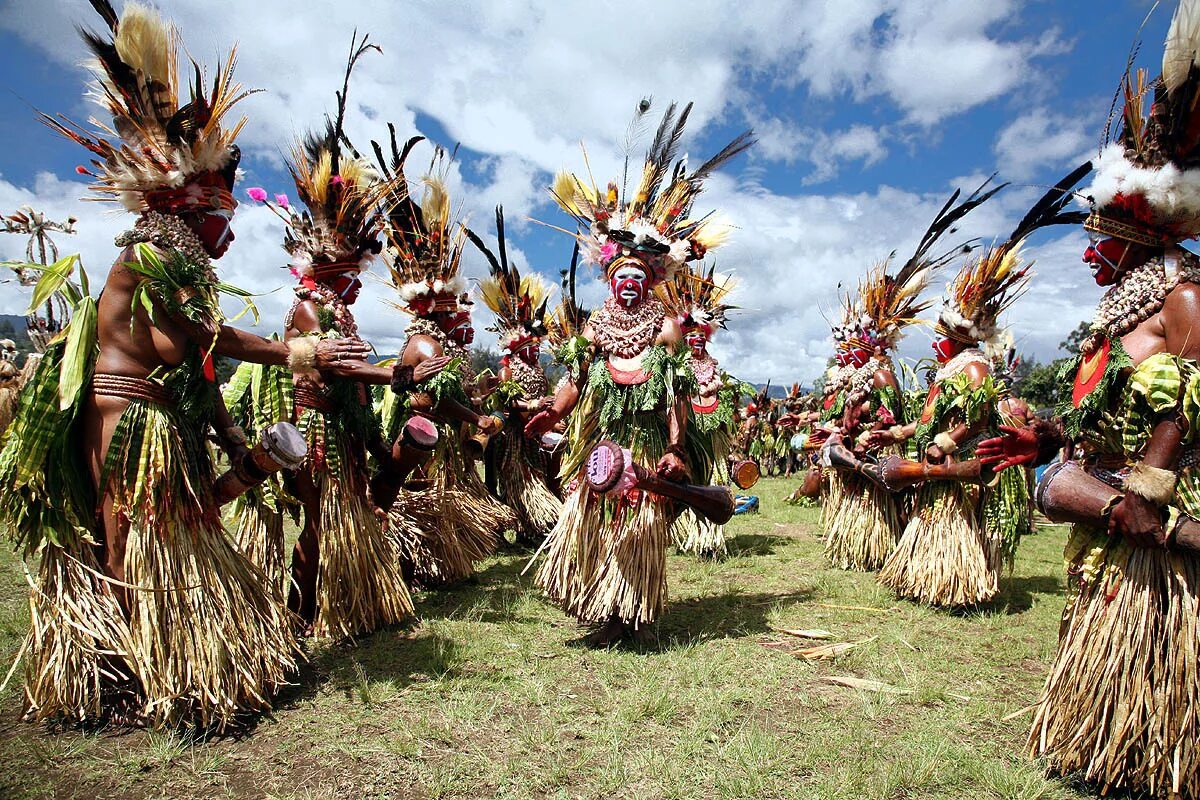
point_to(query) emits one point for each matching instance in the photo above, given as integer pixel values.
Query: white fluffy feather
(1182, 46)
(1173, 193)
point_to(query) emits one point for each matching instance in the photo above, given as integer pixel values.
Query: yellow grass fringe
(77, 642)
(259, 535)
(865, 527)
(360, 587)
(944, 557)
(525, 490)
(695, 535)
(1121, 707)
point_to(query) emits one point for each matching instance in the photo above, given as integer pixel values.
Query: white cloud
(1041, 139)
(522, 82)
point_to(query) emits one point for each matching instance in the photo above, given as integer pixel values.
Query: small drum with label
(420, 433)
(745, 474)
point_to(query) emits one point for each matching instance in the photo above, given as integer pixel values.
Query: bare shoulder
(670, 334)
(305, 318)
(883, 379)
(420, 347)
(977, 371)
(1183, 299)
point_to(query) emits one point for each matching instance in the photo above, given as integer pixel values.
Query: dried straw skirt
(441, 531)
(945, 557)
(864, 530)
(607, 560)
(1121, 707)
(698, 536)
(524, 488)
(208, 634)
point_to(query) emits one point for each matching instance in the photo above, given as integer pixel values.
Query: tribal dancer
(947, 556)
(1120, 704)
(161, 620)
(448, 520)
(697, 303)
(345, 575)
(629, 382)
(868, 521)
(519, 303)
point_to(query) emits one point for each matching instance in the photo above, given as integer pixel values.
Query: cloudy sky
(868, 114)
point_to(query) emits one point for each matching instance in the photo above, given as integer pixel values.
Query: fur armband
(945, 442)
(302, 354)
(402, 379)
(897, 431)
(1151, 483)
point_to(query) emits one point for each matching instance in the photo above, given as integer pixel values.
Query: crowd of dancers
(164, 595)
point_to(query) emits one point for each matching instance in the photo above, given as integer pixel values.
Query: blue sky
(869, 113)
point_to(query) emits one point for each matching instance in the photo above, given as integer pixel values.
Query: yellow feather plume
(146, 43)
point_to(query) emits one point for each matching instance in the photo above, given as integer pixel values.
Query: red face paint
(858, 357)
(697, 340)
(946, 349)
(1106, 258)
(215, 233)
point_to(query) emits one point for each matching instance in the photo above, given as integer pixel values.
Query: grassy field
(486, 698)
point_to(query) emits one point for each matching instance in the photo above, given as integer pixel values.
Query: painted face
(946, 349)
(529, 352)
(629, 285)
(459, 328)
(347, 286)
(842, 358)
(1107, 257)
(858, 357)
(697, 340)
(214, 231)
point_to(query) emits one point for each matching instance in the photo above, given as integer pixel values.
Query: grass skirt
(1121, 707)
(833, 494)
(863, 532)
(258, 532)
(443, 530)
(209, 633)
(945, 557)
(78, 641)
(606, 560)
(524, 488)
(696, 535)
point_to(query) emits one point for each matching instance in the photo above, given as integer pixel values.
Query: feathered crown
(519, 302)
(653, 225)
(1147, 184)
(988, 284)
(887, 303)
(342, 193)
(696, 299)
(761, 403)
(569, 316)
(423, 243)
(157, 154)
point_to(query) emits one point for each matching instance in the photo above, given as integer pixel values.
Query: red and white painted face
(215, 231)
(697, 339)
(457, 327)
(347, 285)
(629, 284)
(946, 349)
(857, 357)
(529, 351)
(1107, 257)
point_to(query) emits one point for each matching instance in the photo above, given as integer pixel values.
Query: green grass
(486, 698)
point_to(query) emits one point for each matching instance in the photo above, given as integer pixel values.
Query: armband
(945, 442)
(1152, 483)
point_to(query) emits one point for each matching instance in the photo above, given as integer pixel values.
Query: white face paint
(629, 284)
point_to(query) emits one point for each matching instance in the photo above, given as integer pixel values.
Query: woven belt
(307, 397)
(131, 389)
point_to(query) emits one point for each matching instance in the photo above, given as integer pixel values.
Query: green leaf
(54, 277)
(81, 343)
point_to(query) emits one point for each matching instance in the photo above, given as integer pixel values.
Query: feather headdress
(654, 224)
(518, 301)
(889, 303)
(423, 242)
(337, 231)
(158, 153)
(696, 298)
(988, 284)
(569, 316)
(1147, 184)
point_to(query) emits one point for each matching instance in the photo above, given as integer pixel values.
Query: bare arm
(420, 350)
